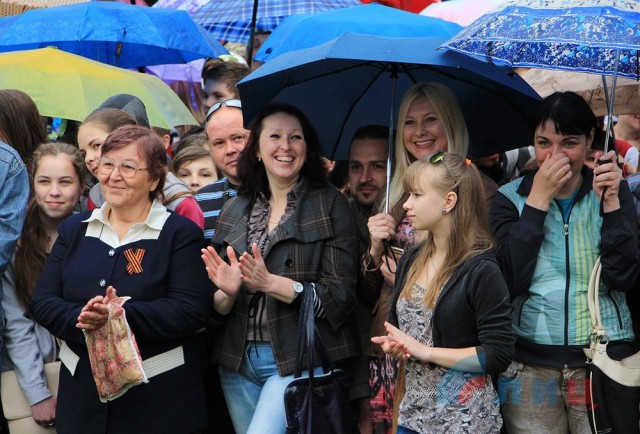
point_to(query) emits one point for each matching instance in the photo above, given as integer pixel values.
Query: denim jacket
(14, 194)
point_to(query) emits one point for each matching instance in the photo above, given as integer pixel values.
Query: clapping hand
(225, 276)
(254, 272)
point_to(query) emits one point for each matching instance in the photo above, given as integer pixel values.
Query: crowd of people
(447, 302)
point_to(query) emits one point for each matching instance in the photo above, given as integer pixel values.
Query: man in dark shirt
(367, 175)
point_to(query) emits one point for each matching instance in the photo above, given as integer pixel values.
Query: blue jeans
(538, 399)
(14, 194)
(255, 394)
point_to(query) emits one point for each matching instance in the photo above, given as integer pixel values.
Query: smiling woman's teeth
(424, 143)
(284, 159)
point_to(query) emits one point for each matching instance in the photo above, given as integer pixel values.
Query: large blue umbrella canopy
(573, 35)
(349, 82)
(111, 32)
(309, 30)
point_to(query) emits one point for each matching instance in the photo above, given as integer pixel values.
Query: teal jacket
(547, 261)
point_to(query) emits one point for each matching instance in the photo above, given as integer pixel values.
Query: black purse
(317, 404)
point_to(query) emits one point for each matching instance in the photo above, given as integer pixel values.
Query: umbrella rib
(478, 84)
(336, 71)
(365, 90)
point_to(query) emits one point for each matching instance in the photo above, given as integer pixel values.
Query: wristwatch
(297, 290)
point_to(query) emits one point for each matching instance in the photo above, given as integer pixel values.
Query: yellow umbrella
(68, 86)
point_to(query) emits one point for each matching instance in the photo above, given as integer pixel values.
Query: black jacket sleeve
(518, 240)
(619, 253)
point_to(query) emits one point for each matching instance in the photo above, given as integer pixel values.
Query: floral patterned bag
(113, 352)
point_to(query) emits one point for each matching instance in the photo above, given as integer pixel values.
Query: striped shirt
(211, 199)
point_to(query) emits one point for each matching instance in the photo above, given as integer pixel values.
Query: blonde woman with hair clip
(429, 120)
(449, 320)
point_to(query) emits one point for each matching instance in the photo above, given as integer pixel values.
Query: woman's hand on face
(382, 227)
(389, 274)
(94, 314)
(254, 272)
(607, 178)
(44, 412)
(225, 276)
(553, 174)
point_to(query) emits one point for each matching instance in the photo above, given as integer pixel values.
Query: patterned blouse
(437, 399)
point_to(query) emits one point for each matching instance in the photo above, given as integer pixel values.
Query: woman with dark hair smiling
(133, 245)
(287, 232)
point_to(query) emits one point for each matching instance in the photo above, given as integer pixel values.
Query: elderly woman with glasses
(287, 232)
(116, 112)
(131, 244)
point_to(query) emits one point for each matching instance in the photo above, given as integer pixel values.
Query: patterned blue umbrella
(576, 35)
(231, 20)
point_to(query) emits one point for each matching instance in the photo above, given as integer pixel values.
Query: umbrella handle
(613, 95)
(394, 81)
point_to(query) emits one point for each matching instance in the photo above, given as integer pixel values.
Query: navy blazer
(170, 300)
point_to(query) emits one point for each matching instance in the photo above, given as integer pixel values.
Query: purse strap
(309, 340)
(597, 328)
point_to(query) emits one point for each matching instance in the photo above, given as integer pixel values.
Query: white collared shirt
(99, 226)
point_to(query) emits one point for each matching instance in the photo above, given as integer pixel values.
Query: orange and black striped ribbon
(135, 260)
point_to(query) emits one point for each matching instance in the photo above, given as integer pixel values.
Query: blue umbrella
(349, 82)
(309, 30)
(111, 32)
(601, 38)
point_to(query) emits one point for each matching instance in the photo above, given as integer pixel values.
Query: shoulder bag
(16, 408)
(316, 404)
(613, 387)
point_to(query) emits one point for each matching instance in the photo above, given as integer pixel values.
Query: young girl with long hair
(449, 321)
(57, 173)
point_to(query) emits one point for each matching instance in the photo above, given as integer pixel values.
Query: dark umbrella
(357, 80)
(349, 82)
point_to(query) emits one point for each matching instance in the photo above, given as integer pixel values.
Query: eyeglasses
(235, 103)
(438, 158)
(127, 169)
